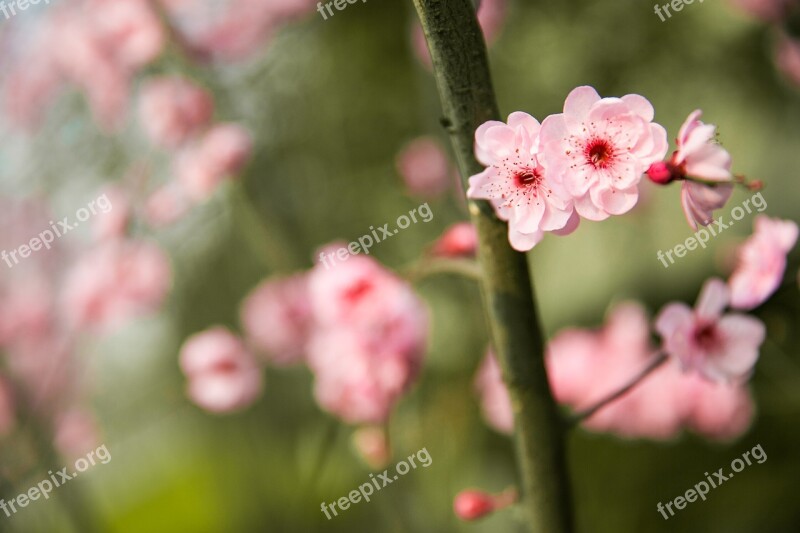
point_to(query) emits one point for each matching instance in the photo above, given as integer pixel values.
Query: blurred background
(310, 119)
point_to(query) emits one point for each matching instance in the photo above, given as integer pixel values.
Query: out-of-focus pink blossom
(787, 58)
(76, 433)
(473, 504)
(699, 201)
(166, 205)
(766, 10)
(368, 345)
(7, 417)
(372, 446)
(30, 85)
(85, 60)
(520, 189)
(115, 282)
(129, 29)
(721, 411)
(111, 221)
(697, 154)
(424, 167)
(459, 240)
(223, 376)
(495, 401)
(586, 366)
(26, 308)
(762, 262)
(720, 347)
(599, 148)
(172, 109)
(222, 152)
(277, 318)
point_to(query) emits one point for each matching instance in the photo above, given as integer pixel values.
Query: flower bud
(473, 504)
(661, 173)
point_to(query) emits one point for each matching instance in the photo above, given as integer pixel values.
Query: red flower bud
(473, 504)
(661, 173)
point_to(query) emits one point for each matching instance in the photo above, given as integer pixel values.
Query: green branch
(465, 88)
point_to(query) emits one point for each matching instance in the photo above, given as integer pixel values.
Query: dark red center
(599, 153)
(527, 178)
(706, 337)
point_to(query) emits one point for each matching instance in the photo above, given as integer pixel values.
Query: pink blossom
(473, 504)
(698, 155)
(699, 201)
(76, 433)
(767, 10)
(172, 109)
(129, 29)
(116, 211)
(367, 348)
(31, 84)
(364, 297)
(599, 148)
(424, 167)
(86, 60)
(721, 411)
(26, 308)
(222, 375)
(787, 58)
(277, 318)
(222, 152)
(372, 446)
(519, 188)
(6, 409)
(115, 282)
(459, 240)
(495, 401)
(720, 347)
(586, 366)
(762, 262)
(166, 205)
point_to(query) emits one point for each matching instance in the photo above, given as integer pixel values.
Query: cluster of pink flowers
(584, 366)
(585, 162)
(46, 306)
(176, 114)
(712, 354)
(359, 328)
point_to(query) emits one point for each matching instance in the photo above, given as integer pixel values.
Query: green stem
(465, 89)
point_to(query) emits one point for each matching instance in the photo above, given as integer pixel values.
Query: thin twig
(586, 413)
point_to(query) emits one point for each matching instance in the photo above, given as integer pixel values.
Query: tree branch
(465, 88)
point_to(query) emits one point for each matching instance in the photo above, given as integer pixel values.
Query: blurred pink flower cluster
(712, 354)
(584, 366)
(100, 46)
(585, 162)
(176, 114)
(59, 295)
(360, 329)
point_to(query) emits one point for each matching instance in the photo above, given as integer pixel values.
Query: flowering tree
(145, 70)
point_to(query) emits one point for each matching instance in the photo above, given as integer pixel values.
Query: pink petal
(640, 105)
(712, 300)
(522, 242)
(587, 209)
(578, 103)
(743, 336)
(614, 202)
(672, 318)
(520, 119)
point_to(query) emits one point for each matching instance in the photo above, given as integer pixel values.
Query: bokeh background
(329, 104)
